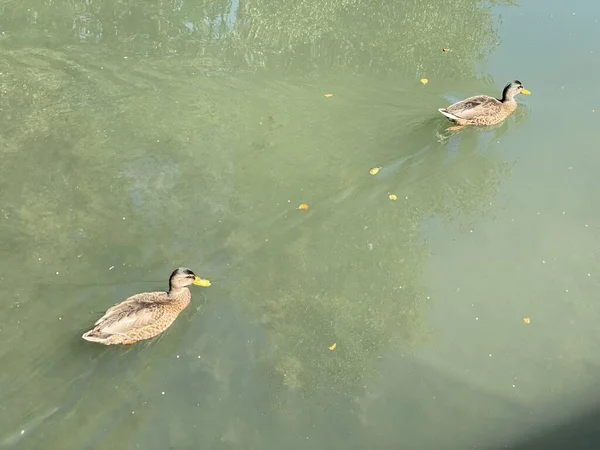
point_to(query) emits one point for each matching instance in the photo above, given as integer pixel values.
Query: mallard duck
(145, 315)
(484, 110)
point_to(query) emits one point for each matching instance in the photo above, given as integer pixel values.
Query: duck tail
(449, 115)
(96, 336)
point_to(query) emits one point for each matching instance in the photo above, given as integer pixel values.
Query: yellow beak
(200, 282)
(525, 91)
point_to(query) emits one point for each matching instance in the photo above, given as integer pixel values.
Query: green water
(136, 137)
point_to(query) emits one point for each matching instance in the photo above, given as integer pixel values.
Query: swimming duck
(143, 316)
(484, 110)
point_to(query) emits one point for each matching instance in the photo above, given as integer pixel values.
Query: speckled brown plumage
(484, 110)
(145, 315)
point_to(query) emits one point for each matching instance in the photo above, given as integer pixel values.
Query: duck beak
(200, 282)
(525, 91)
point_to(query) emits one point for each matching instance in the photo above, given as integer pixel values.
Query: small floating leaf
(332, 346)
(374, 170)
(303, 206)
(424, 80)
(527, 320)
(328, 95)
(393, 197)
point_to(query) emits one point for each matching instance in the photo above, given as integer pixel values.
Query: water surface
(136, 138)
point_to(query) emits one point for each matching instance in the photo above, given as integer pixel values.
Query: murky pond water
(136, 137)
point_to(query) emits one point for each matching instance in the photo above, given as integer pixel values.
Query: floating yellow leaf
(303, 206)
(393, 197)
(527, 320)
(445, 50)
(332, 346)
(424, 80)
(328, 95)
(374, 170)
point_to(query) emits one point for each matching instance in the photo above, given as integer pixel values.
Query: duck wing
(472, 107)
(135, 312)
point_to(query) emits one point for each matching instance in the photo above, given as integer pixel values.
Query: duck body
(483, 109)
(479, 110)
(146, 315)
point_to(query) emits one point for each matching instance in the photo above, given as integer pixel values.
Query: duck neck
(507, 95)
(507, 99)
(175, 292)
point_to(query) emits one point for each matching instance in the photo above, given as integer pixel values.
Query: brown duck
(483, 109)
(145, 315)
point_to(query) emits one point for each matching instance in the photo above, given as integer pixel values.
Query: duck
(483, 109)
(145, 315)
